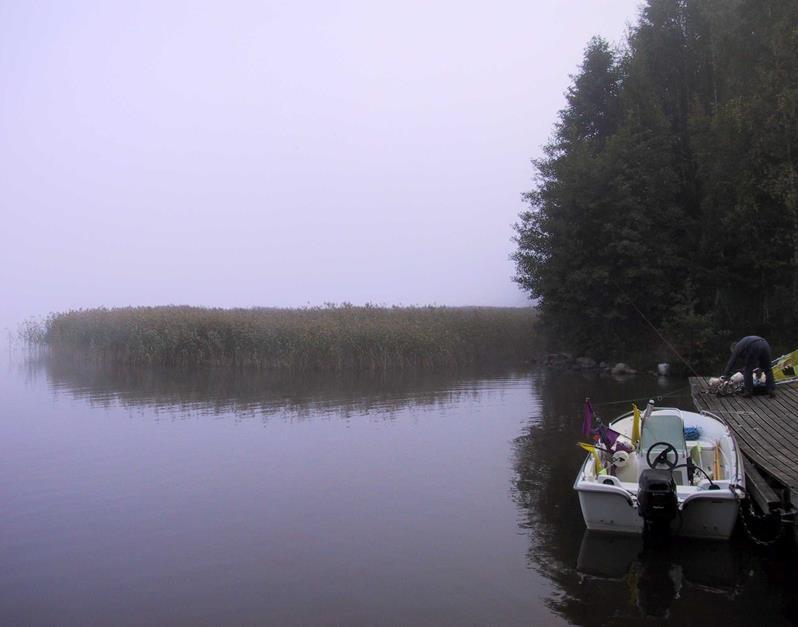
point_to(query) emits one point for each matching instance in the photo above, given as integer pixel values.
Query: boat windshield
(663, 428)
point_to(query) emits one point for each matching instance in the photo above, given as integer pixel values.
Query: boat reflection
(655, 570)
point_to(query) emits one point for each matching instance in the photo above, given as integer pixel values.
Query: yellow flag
(786, 366)
(635, 425)
(596, 460)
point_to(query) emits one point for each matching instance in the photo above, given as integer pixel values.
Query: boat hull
(710, 517)
(604, 511)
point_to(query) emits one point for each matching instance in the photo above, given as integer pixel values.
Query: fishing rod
(651, 324)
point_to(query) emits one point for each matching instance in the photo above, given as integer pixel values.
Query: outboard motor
(657, 497)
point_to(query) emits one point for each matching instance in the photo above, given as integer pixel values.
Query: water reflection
(242, 393)
(609, 579)
(653, 571)
(402, 518)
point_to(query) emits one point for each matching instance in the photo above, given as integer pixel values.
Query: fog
(275, 153)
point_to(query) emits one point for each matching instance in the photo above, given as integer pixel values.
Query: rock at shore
(558, 360)
(622, 368)
(584, 364)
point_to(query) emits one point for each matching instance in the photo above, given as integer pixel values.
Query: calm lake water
(143, 497)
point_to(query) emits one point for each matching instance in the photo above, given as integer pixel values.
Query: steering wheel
(662, 457)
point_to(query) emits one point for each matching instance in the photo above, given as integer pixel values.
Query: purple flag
(607, 436)
(623, 446)
(587, 423)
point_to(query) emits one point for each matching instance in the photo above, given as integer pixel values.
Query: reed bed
(333, 338)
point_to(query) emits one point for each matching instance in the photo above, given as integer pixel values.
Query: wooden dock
(767, 431)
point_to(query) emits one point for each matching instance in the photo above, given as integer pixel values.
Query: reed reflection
(245, 392)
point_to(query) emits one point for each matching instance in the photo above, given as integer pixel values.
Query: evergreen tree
(670, 186)
(559, 237)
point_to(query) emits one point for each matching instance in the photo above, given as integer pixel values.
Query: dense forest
(667, 196)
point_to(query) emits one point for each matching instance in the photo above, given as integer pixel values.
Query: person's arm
(738, 349)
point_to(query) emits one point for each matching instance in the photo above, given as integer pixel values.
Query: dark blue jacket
(741, 350)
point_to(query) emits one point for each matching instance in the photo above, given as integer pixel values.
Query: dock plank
(766, 429)
(768, 442)
(761, 492)
(751, 441)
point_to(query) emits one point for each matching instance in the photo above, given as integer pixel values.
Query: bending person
(754, 351)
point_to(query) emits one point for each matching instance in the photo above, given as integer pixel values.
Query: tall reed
(332, 338)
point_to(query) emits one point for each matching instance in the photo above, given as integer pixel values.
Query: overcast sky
(275, 153)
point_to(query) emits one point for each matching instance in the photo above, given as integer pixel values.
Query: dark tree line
(669, 189)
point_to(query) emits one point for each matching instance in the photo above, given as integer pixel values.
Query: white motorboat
(652, 475)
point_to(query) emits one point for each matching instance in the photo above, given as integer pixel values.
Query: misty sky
(275, 153)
